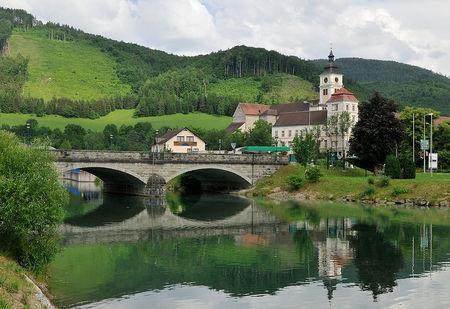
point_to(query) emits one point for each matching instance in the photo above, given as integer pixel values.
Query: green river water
(219, 251)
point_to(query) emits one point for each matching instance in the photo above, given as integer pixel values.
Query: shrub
(32, 202)
(383, 181)
(396, 191)
(392, 167)
(312, 174)
(408, 168)
(369, 191)
(295, 182)
(370, 181)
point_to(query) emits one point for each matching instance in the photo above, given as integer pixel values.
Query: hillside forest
(158, 83)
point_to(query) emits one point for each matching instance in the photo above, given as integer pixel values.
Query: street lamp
(431, 143)
(220, 144)
(111, 141)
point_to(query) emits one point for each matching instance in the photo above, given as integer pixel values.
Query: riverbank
(17, 290)
(353, 185)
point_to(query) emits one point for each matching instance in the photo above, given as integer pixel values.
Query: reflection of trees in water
(376, 259)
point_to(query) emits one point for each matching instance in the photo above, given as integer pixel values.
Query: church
(291, 119)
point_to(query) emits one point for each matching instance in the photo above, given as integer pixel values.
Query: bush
(383, 181)
(312, 174)
(408, 168)
(294, 182)
(392, 167)
(396, 191)
(369, 191)
(370, 181)
(32, 202)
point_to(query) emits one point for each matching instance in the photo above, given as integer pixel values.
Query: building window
(276, 133)
(296, 132)
(354, 107)
(289, 133)
(325, 92)
(336, 80)
(353, 118)
(190, 138)
(180, 138)
(346, 107)
(325, 80)
(282, 133)
(335, 107)
(325, 144)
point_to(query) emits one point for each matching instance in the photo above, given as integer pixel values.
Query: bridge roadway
(144, 173)
(160, 223)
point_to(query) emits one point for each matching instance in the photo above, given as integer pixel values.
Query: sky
(410, 31)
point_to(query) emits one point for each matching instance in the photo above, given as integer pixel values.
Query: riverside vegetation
(31, 210)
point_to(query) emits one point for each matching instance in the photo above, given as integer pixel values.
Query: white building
(179, 141)
(289, 120)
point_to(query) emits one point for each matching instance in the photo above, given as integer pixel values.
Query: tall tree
(260, 135)
(305, 147)
(377, 133)
(344, 124)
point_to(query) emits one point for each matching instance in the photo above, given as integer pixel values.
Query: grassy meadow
(120, 117)
(74, 70)
(336, 183)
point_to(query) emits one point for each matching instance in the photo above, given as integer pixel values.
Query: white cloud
(414, 32)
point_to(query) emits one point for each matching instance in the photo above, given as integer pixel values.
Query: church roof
(302, 118)
(232, 127)
(278, 109)
(341, 95)
(253, 109)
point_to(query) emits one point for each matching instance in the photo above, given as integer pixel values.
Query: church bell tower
(330, 80)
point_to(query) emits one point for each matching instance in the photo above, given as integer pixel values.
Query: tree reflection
(376, 259)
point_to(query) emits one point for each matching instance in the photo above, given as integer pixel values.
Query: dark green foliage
(31, 202)
(294, 182)
(444, 160)
(13, 74)
(408, 168)
(392, 167)
(260, 135)
(312, 174)
(305, 148)
(370, 181)
(368, 192)
(383, 181)
(376, 134)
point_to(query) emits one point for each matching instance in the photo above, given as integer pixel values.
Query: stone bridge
(144, 173)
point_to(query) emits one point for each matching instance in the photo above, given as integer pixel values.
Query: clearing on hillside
(70, 69)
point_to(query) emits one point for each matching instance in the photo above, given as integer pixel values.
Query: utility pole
(431, 145)
(424, 171)
(413, 142)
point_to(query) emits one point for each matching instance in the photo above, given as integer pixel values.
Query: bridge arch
(115, 180)
(219, 178)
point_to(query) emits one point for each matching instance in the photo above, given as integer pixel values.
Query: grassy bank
(15, 290)
(120, 117)
(354, 184)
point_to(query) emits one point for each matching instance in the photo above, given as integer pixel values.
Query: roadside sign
(233, 145)
(433, 160)
(424, 144)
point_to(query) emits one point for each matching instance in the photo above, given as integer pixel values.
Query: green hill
(405, 84)
(69, 69)
(92, 76)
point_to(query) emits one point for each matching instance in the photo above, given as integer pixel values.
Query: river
(221, 251)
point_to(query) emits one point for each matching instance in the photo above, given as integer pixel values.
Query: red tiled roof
(253, 109)
(302, 118)
(440, 120)
(342, 94)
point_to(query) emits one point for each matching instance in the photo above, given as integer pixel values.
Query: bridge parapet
(162, 158)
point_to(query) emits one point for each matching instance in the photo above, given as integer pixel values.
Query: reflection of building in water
(79, 175)
(87, 190)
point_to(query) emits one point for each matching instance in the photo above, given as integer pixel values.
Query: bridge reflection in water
(245, 252)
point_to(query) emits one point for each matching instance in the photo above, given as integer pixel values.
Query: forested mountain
(62, 70)
(405, 84)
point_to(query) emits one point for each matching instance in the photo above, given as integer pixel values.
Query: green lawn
(353, 182)
(74, 70)
(120, 117)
